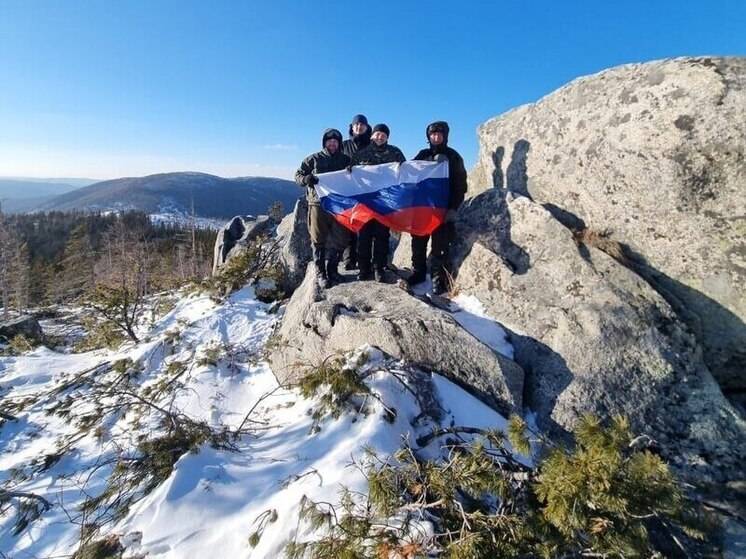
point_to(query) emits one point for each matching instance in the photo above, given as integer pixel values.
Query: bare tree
(76, 277)
(7, 252)
(122, 278)
(20, 278)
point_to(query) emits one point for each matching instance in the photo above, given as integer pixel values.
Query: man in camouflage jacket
(328, 238)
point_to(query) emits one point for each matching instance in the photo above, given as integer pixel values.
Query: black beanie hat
(382, 128)
(359, 118)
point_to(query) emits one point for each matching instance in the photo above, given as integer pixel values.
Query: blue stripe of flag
(431, 192)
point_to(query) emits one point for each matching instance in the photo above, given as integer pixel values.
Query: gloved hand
(439, 158)
(451, 216)
(311, 180)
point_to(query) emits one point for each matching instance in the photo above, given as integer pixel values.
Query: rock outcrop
(654, 156)
(236, 235)
(318, 324)
(26, 326)
(592, 336)
(295, 244)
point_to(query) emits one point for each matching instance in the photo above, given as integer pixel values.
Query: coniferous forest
(61, 257)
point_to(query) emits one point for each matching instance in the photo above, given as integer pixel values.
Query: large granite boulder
(25, 325)
(295, 244)
(237, 234)
(654, 155)
(318, 324)
(594, 337)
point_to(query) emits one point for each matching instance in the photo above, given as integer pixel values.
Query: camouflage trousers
(325, 230)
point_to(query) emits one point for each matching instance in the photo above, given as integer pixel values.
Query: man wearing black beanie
(442, 237)
(373, 239)
(360, 133)
(328, 238)
(359, 139)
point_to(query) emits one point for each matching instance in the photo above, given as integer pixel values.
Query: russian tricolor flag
(410, 197)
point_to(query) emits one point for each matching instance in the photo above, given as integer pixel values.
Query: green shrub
(335, 387)
(18, 345)
(106, 548)
(132, 479)
(602, 491)
(254, 261)
(594, 500)
(99, 335)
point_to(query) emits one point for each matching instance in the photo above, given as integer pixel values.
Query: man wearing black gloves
(375, 235)
(438, 150)
(328, 238)
(359, 139)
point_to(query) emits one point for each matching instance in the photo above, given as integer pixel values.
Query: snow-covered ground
(212, 501)
(169, 213)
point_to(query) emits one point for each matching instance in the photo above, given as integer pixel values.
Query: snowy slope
(210, 503)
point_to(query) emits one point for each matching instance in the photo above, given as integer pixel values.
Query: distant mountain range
(18, 194)
(212, 196)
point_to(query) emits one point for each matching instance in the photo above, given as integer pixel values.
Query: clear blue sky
(121, 88)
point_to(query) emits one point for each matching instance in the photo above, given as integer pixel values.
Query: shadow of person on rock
(491, 207)
(517, 172)
(498, 179)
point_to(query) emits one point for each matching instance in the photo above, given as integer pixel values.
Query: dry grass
(602, 241)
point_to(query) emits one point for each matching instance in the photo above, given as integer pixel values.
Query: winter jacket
(356, 143)
(456, 171)
(375, 155)
(321, 162)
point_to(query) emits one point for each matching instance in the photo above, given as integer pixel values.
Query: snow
(472, 317)
(211, 502)
(170, 213)
(469, 312)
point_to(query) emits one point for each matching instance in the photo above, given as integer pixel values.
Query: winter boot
(319, 255)
(350, 254)
(364, 274)
(440, 282)
(418, 276)
(332, 264)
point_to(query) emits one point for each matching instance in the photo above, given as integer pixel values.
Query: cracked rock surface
(319, 323)
(654, 156)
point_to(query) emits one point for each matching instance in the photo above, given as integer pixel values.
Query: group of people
(368, 250)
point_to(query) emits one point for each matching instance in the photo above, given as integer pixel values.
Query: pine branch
(6, 495)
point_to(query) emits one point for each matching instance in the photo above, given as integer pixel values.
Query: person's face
(379, 138)
(436, 138)
(331, 145)
(359, 128)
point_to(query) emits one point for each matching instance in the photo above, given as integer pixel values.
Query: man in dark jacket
(328, 238)
(374, 234)
(360, 134)
(438, 150)
(359, 139)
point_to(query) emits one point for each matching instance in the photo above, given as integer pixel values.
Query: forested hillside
(60, 257)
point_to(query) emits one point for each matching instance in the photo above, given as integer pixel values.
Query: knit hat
(359, 118)
(382, 128)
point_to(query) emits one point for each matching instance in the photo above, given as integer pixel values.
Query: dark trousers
(372, 246)
(350, 255)
(439, 256)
